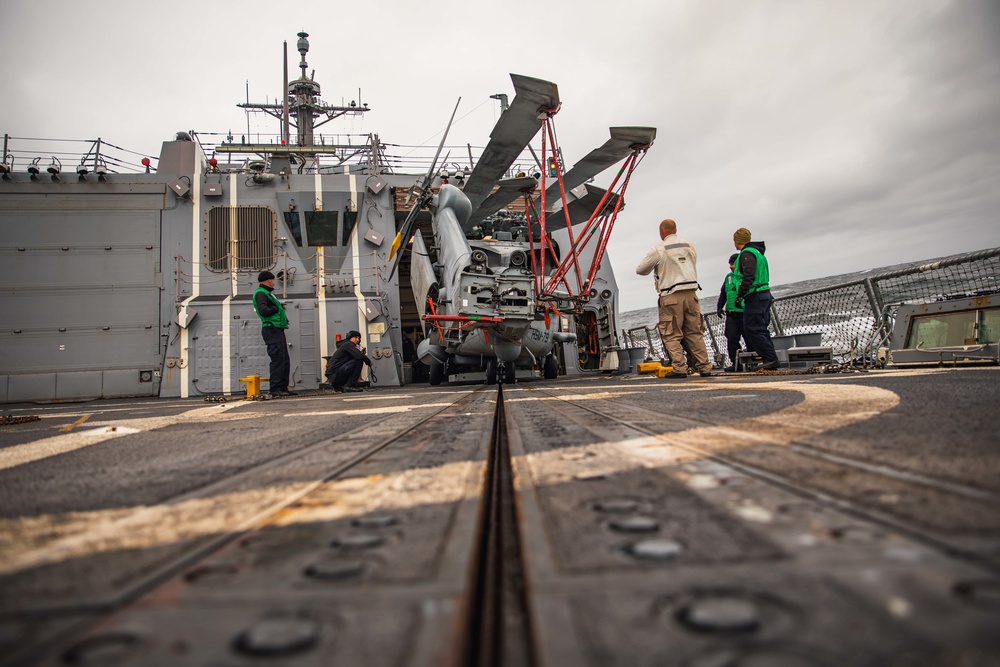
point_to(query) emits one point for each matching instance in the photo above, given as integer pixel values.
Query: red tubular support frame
(460, 318)
(590, 228)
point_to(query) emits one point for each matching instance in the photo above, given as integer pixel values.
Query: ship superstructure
(138, 282)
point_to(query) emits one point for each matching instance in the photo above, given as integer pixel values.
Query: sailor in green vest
(732, 313)
(754, 296)
(273, 323)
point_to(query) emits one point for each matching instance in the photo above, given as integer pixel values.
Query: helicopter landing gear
(550, 367)
(436, 373)
(509, 373)
(498, 371)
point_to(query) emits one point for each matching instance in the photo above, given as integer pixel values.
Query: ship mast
(302, 108)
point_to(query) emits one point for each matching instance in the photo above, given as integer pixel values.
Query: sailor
(754, 296)
(673, 264)
(732, 313)
(273, 322)
(343, 370)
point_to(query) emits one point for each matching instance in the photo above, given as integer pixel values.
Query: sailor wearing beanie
(754, 296)
(273, 323)
(343, 369)
(727, 309)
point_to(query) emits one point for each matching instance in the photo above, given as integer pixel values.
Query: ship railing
(83, 155)
(855, 317)
(365, 151)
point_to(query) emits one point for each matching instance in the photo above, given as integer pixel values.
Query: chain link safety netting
(855, 318)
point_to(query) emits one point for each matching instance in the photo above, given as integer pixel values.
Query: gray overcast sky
(846, 135)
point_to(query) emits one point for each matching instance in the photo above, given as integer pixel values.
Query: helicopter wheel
(550, 367)
(491, 372)
(436, 373)
(509, 373)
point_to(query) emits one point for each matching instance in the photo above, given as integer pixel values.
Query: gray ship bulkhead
(141, 284)
(125, 287)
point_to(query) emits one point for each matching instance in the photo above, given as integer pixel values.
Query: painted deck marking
(70, 427)
(61, 444)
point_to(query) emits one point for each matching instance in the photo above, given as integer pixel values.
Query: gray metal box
(374, 237)
(179, 187)
(807, 357)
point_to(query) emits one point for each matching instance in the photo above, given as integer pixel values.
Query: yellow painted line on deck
(70, 427)
(824, 408)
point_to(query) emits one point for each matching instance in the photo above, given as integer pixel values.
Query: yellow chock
(657, 368)
(649, 367)
(253, 385)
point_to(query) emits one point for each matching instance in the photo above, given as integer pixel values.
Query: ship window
(943, 330)
(350, 221)
(294, 226)
(245, 233)
(321, 227)
(989, 327)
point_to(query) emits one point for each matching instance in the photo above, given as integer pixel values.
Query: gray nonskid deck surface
(738, 519)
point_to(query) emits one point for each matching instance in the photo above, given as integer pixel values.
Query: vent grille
(243, 233)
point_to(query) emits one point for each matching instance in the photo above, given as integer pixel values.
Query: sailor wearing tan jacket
(673, 263)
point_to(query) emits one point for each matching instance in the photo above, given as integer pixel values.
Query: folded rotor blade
(581, 208)
(517, 126)
(403, 235)
(506, 192)
(617, 148)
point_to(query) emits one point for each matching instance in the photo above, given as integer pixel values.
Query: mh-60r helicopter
(497, 283)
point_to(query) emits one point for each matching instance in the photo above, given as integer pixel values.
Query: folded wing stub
(516, 128)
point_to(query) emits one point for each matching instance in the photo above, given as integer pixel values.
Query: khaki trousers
(681, 326)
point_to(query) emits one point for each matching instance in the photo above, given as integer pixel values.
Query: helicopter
(496, 282)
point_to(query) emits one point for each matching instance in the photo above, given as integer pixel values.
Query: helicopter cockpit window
(321, 227)
(240, 238)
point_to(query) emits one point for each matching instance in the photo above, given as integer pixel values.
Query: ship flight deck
(739, 519)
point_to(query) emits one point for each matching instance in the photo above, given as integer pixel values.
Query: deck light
(55, 168)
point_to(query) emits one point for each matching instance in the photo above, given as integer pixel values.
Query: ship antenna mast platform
(302, 108)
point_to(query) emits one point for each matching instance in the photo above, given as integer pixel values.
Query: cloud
(848, 135)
